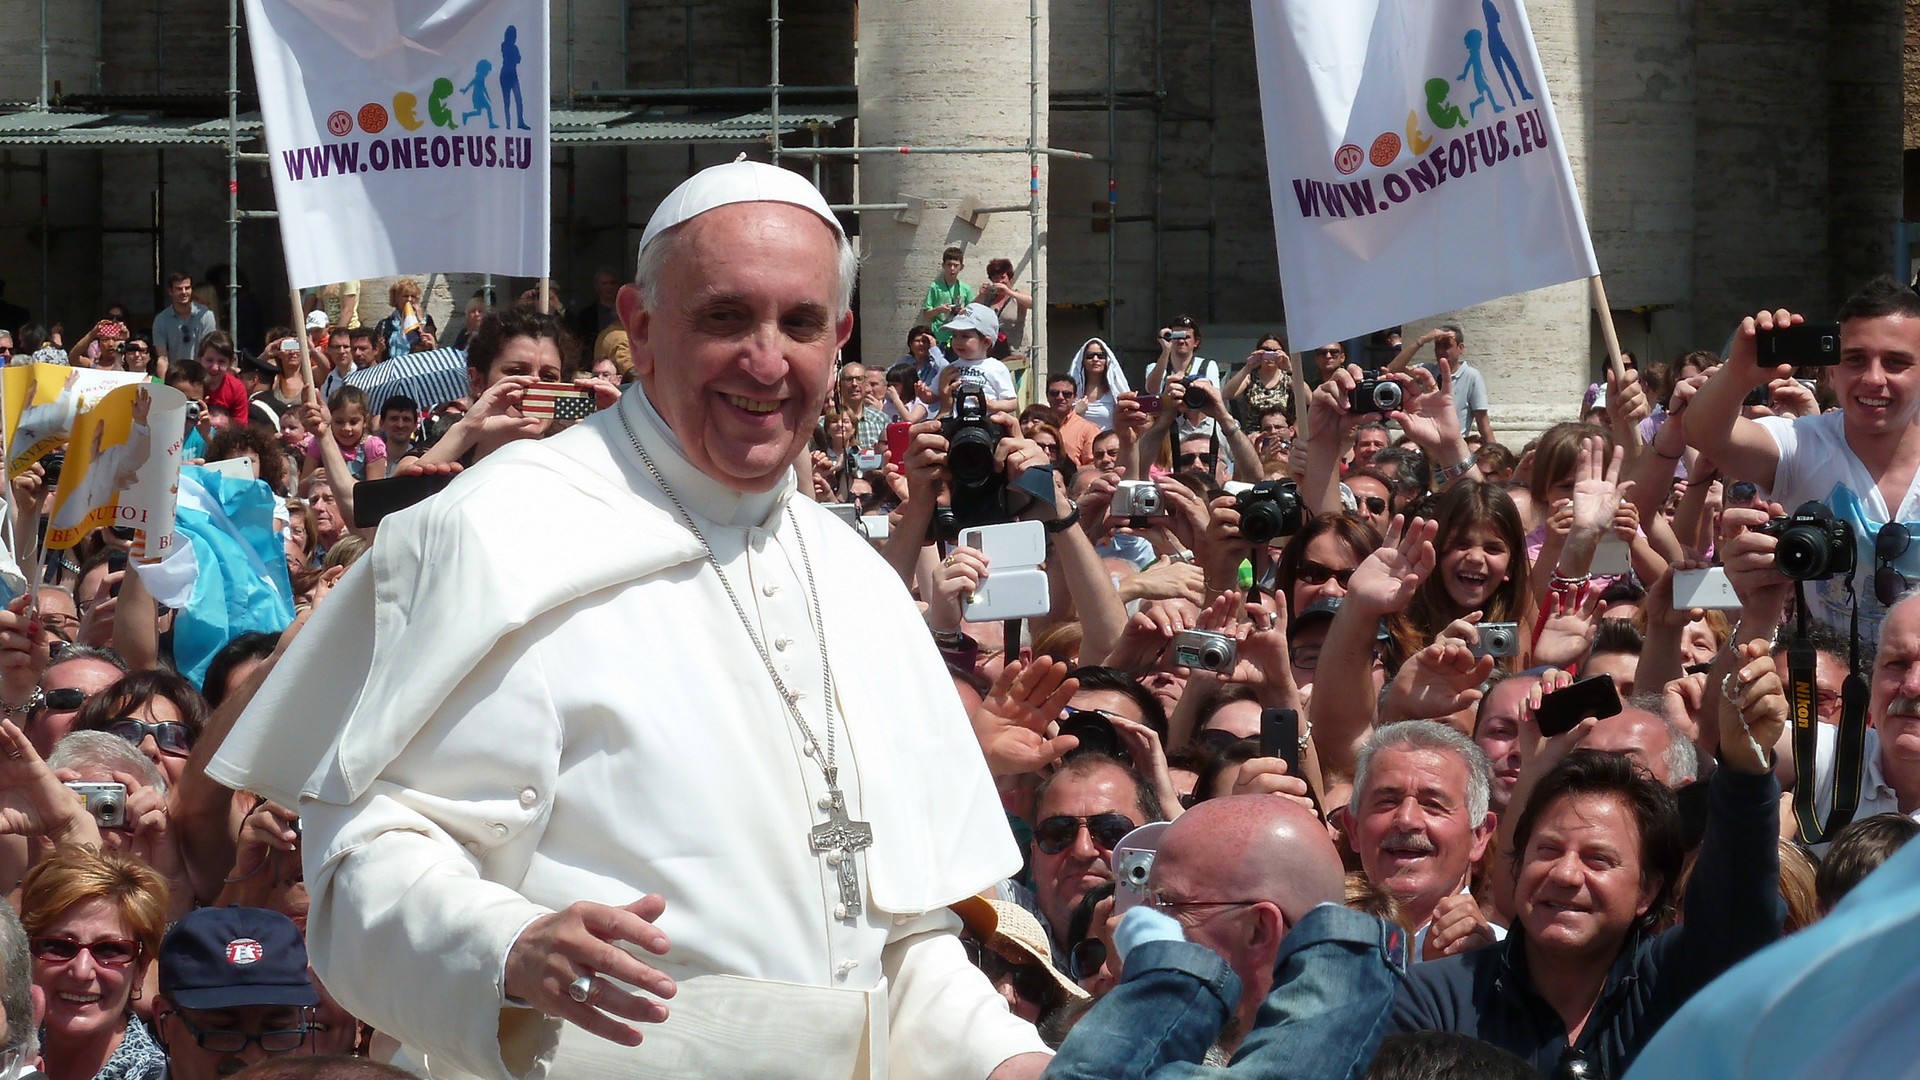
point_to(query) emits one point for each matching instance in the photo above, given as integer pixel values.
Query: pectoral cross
(838, 838)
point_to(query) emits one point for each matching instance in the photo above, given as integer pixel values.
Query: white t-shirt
(1198, 368)
(986, 374)
(1816, 464)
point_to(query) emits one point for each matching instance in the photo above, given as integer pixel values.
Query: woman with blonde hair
(94, 920)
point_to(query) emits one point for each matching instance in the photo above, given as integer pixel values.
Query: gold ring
(948, 561)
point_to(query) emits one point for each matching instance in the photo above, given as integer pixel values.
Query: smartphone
(1811, 344)
(116, 562)
(238, 468)
(1562, 710)
(1706, 588)
(1280, 737)
(1149, 403)
(1611, 557)
(373, 500)
(1015, 586)
(897, 436)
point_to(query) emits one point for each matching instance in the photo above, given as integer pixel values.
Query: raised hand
(1386, 580)
(1753, 710)
(1596, 488)
(33, 801)
(1457, 926)
(1437, 681)
(1568, 624)
(1011, 723)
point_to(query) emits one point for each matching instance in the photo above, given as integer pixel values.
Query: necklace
(840, 836)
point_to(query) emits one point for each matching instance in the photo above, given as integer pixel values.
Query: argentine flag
(226, 571)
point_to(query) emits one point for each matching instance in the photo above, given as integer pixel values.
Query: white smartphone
(239, 468)
(877, 526)
(1015, 586)
(1708, 589)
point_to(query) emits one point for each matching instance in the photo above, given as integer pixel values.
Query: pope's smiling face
(738, 356)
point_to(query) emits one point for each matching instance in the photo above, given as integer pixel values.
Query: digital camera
(1198, 397)
(971, 438)
(1135, 499)
(106, 804)
(1270, 508)
(1498, 639)
(1376, 396)
(868, 460)
(1204, 650)
(1813, 544)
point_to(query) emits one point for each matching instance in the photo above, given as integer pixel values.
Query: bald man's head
(1237, 872)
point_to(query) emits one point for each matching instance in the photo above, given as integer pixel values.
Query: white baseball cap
(978, 317)
(316, 320)
(737, 181)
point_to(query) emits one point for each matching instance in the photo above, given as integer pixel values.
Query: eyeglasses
(1184, 460)
(62, 624)
(1889, 544)
(1374, 504)
(1336, 351)
(1056, 834)
(62, 700)
(1096, 356)
(1050, 448)
(1061, 394)
(1086, 957)
(107, 952)
(235, 1042)
(1161, 903)
(1313, 573)
(173, 738)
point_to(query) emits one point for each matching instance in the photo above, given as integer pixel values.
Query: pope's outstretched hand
(578, 940)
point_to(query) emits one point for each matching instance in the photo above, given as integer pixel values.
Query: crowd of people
(1421, 873)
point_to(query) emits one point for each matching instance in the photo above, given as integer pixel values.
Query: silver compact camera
(1135, 499)
(1204, 650)
(106, 804)
(1498, 639)
(868, 461)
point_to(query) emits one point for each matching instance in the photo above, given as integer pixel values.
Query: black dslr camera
(1376, 395)
(978, 488)
(1813, 544)
(1269, 509)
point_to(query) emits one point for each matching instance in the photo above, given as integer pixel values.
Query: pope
(637, 815)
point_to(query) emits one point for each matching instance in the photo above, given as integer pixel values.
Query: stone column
(1534, 347)
(932, 75)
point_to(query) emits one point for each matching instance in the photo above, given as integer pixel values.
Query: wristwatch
(1063, 524)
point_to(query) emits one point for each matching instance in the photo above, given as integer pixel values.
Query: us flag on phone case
(557, 401)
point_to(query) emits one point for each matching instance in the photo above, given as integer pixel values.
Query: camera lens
(970, 455)
(1802, 553)
(1387, 396)
(1213, 656)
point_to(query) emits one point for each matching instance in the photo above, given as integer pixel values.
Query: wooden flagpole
(1598, 289)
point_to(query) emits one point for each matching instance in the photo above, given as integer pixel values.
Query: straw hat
(1012, 931)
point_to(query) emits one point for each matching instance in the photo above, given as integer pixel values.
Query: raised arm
(1714, 424)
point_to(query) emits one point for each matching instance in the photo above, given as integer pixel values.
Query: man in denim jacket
(1243, 945)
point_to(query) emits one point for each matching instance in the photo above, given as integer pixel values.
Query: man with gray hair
(650, 790)
(1419, 820)
(1643, 732)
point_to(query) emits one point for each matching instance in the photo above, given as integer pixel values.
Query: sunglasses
(1889, 544)
(1185, 460)
(1333, 352)
(1085, 957)
(107, 952)
(1056, 834)
(171, 736)
(1059, 393)
(1313, 573)
(63, 700)
(1096, 356)
(1374, 504)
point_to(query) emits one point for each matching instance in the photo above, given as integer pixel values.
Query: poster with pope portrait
(39, 404)
(122, 468)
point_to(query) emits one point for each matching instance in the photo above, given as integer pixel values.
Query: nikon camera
(1813, 544)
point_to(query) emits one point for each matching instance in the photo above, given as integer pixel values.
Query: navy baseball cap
(225, 958)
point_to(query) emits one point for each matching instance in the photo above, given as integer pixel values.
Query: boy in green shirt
(947, 296)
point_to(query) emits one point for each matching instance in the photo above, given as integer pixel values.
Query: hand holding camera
(33, 801)
(1746, 549)
(1751, 363)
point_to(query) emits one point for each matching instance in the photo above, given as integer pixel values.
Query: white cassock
(556, 701)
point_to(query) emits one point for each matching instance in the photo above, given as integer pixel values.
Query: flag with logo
(1415, 162)
(423, 123)
(226, 571)
(122, 462)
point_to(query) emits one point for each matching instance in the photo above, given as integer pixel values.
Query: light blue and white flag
(226, 572)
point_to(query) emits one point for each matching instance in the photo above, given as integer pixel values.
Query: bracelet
(1450, 473)
(1669, 457)
(1065, 523)
(1566, 584)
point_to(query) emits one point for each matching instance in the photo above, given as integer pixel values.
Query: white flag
(406, 135)
(1414, 158)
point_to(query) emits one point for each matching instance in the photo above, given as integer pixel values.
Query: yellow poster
(39, 404)
(122, 465)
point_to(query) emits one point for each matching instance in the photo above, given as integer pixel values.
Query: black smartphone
(375, 499)
(1280, 737)
(116, 562)
(1562, 710)
(1811, 344)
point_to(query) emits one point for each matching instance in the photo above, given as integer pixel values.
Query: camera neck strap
(1850, 750)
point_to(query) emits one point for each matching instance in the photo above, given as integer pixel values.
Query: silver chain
(824, 758)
